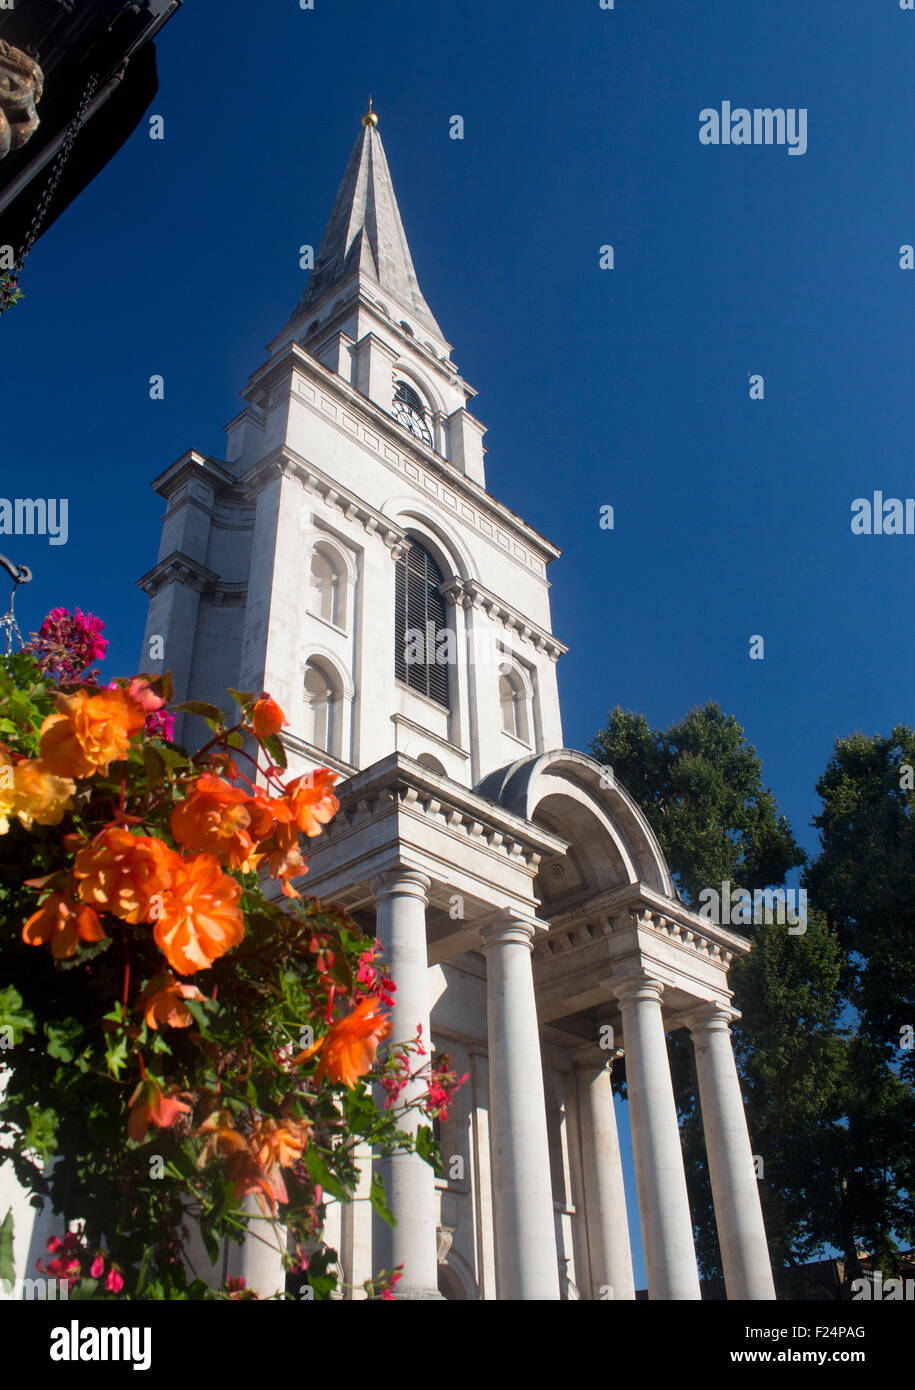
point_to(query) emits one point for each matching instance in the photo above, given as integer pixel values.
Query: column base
(416, 1294)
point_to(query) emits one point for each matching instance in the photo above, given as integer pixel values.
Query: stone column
(667, 1231)
(259, 1258)
(523, 1197)
(741, 1233)
(606, 1222)
(409, 1182)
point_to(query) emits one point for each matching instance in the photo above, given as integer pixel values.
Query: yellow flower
(39, 795)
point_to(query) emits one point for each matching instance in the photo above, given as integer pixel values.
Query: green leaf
(243, 698)
(205, 710)
(274, 746)
(42, 1131)
(427, 1147)
(13, 1017)
(7, 1268)
(154, 765)
(319, 1173)
(60, 1036)
(376, 1195)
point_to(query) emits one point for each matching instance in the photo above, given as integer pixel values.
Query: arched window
(325, 586)
(319, 708)
(422, 641)
(403, 391)
(513, 699)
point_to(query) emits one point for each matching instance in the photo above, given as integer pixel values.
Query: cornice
(291, 464)
(636, 906)
(177, 569)
(399, 783)
(193, 465)
(468, 593)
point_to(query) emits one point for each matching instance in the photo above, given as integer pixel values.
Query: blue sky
(627, 387)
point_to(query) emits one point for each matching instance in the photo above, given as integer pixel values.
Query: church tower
(347, 557)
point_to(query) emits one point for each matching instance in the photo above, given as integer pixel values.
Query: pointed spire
(365, 235)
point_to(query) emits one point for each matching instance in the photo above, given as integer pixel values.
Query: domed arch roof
(570, 792)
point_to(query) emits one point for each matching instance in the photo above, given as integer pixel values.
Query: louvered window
(419, 617)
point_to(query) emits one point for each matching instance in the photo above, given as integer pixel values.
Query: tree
(863, 879)
(700, 785)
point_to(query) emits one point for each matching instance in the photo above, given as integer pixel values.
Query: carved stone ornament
(21, 85)
(444, 1236)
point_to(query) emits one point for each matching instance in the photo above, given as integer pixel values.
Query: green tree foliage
(700, 784)
(864, 880)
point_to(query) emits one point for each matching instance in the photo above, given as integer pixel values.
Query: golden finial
(370, 118)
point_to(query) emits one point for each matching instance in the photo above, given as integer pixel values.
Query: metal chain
(63, 154)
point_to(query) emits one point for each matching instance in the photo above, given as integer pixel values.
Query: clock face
(411, 420)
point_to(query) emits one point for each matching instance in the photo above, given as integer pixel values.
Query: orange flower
(223, 1139)
(150, 1105)
(312, 801)
(267, 717)
(287, 864)
(215, 818)
(7, 792)
(62, 923)
(199, 918)
(264, 811)
(38, 795)
(248, 1177)
(278, 1142)
(89, 732)
(349, 1046)
(125, 874)
(163, 1001)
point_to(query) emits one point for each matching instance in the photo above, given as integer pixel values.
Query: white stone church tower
(347, 557)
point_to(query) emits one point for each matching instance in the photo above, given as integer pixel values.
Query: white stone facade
(520, 894)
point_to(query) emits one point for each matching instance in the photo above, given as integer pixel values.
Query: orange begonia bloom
(62, 923)
(163, 1001)
(264, 811)
(278, 1142)
(7, 792)
(287, 864)
(39, 795)
(125, 874)
(312, 801)
(199, 919)
(89, 732)
(222, 1139)
(267, 717)
(349, 1046)
(248, 1177)
(215, 818)
(150, 1105)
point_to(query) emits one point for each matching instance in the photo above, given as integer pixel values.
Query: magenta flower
(68, 643)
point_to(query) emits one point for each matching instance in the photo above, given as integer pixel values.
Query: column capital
(711, 1017)
(637, 987)
(509, 929)
(402, 882)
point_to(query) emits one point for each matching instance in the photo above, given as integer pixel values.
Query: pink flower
(159, 724)
(114, 1283)
(68, 643)
(97, 1268)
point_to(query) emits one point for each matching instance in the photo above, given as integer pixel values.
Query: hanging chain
(8, 286)
(9, 629)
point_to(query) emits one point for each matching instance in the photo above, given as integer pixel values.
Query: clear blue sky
(627, 387)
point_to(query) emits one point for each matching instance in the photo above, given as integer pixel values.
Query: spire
(365, 236)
